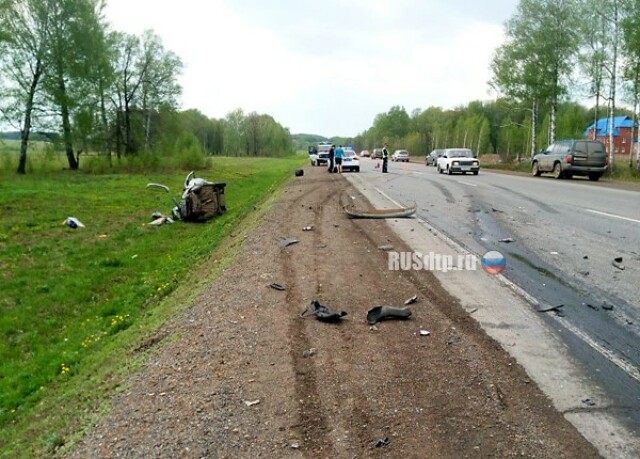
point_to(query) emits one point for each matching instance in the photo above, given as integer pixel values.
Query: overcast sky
(324, 67)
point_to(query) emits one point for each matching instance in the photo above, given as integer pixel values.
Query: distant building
(625, 134)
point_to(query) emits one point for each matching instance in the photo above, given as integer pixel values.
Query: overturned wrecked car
(201, 200)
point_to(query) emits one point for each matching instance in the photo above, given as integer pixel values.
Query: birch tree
(159, 69)
(73, 24)
(534, 64)
(24, 62)
(631, 40)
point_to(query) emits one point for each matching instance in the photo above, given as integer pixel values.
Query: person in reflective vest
(385, 158)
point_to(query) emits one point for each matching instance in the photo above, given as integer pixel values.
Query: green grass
(76, 304)
(622, 172)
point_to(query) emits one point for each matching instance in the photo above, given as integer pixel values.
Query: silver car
(400, 155)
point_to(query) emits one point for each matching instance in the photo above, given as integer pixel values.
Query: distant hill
(35, 136)
(302, 141)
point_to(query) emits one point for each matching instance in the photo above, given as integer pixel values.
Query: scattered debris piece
(411, 300)
(322, 313)
(386, 247)
(424, 332)
(309, 352)
(158, 185)
(381, 213)
(553, 253)
(589, 402)
(551, 308)
(607, 307)
(584, 273)
(308, 228)
(380, 443)
(473, 310)
(251, 402)
(282, 243)
(161, 221)
(507, 240)
(299, 172)
(373, 328)
(277, 286)
(454, 339)
(73, 222)
(586, 257)
(294, 445)
(617, 263)
(377, 313)
(497, 210)
(592, 306)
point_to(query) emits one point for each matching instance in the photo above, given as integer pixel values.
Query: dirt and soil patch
(248, 377)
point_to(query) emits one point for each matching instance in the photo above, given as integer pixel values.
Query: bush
(623, 171)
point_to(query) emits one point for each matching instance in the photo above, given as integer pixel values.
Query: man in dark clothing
(385, 158)
(332, 155)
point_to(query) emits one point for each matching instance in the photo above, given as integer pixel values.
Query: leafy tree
(234, 133)
(71, 25)
(394, 124)
(593, 53)
(207, 131)
(534, 64)
(631, 41)
(159, 70)
(24, 63)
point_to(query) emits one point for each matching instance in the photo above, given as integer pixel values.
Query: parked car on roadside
(460, 160)
(350, 161)
(365, 154)
(432, 157)
(400, 155)
(322, 157)
(377, 153)
(566, 158)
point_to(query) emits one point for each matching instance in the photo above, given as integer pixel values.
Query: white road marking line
(388, 197)
(613, 215)
(465, 183)
(416, 172)
(611, 356)
(606, 353)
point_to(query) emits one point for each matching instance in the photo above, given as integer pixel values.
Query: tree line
(556, 52)
(64, 70)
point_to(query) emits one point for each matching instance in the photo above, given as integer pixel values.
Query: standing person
(339, 153)
(332, 154)
(385, 158)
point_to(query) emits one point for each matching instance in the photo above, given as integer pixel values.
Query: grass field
(76, 305)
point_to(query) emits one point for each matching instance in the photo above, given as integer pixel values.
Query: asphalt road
(565, 235)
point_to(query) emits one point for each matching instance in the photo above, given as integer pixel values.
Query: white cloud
(323, 67)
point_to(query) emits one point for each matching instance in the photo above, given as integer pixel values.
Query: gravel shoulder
(245, 376)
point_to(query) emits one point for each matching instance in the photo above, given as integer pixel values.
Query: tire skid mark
(312, 425)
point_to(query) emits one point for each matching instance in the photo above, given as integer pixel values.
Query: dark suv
(566, 158)
(432, 158)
